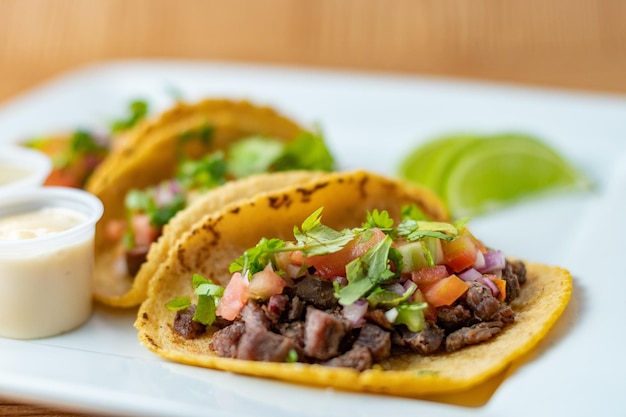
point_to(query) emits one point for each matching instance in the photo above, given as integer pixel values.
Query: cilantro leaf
(413, 230)
(381, 297)
(137, 109)
(367, 271)
(209, 295)
(318, 239)
(377, 219)
(178, 303)
(204, 173)
(257, 258)
(253, 155)
(307, 151)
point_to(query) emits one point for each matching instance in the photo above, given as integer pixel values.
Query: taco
(76, 155)
(164, 165)
(377, 293)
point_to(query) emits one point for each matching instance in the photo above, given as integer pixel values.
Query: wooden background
(574, 44)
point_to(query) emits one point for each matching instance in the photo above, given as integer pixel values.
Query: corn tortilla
(147, 155)
(210, 246)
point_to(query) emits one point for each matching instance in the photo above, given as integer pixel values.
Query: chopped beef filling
(306, 319)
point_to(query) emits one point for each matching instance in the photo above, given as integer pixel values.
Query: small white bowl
(46, 280)
(22, 168)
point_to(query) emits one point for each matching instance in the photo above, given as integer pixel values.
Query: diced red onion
(391, 315)
(470, 274)
(355, 312)
(494, 260)
(480, 260)
(396, 288)
(409, 286)
(489, 284)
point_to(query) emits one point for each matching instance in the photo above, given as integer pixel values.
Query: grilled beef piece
(263, 345)
(359, 358)
(275, 307)
(295, 309)
(254, 317)
(481, 301)
(135, 257)
(294, 331)
(185, 326)
(378, 317)
(377, 340)
(317, 292)
(453, 317)
(474, 334)
(426, 341)
(506, 315)
(514, 274)
(225, 340)
(323, 333)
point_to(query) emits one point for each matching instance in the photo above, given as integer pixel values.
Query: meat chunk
(263, 345)
(185, 326)
(378, 317)
(275, 307)
(377, 340)
(295, 309)
(426, 341)
(359, 358)
(481, 301)
(514, 274)
(323, 333)
(294, 331)
(135, 258)
(224, 341)
(317, 292)
(254, 317)
(453, 317)
(474, 334)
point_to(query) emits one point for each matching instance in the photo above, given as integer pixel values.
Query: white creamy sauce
(39, 223)
(46, 290)
(12, 173)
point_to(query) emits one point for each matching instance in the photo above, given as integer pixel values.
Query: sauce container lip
(44, 197)
(37, 162)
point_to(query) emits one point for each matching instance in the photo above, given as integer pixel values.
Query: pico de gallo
(148, 210)
(354, 297)
(76, 155)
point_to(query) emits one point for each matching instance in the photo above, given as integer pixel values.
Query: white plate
(370, 121)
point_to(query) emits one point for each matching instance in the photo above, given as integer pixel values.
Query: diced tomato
(429, 275)
(445, 291)
(266, 283)
(459, 253)
(334, 264)
(62, 178)
(143, 232)
(114, 229)
(234, 297)
(501, 284)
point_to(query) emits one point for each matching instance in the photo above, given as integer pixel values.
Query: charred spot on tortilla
(235, 210)
(362, 185)
(280, 201)
(306, 193)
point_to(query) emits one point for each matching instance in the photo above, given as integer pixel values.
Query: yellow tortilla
(209, 247)
(147, 155)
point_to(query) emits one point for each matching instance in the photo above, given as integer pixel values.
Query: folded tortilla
(148, 154)
(211, 244)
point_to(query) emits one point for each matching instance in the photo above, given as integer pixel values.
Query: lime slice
(428, 164)
(501, 170)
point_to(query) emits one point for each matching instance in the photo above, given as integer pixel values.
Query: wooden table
(574, 44)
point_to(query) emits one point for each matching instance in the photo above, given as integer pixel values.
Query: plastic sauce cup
(46, 260)
(22, 168)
